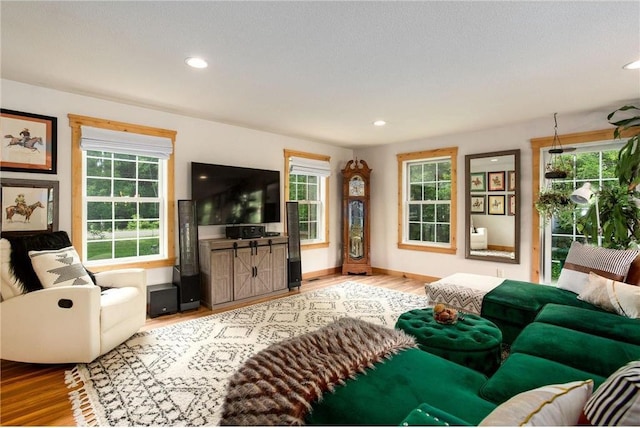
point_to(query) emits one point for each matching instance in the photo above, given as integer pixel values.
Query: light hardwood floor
(35, 394)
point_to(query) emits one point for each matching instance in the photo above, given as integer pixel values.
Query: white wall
(384, 193)
(197, 140)
(212, 142)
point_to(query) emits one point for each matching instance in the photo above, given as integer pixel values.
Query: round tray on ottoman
(473, 341)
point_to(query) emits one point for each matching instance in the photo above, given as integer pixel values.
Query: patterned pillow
(582, 259)
(553, 405)
(612, 296)
(20, 262)
(617, 400)
(56, 268)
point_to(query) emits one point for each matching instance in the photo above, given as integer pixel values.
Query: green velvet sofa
(563, 343)
(555, 338)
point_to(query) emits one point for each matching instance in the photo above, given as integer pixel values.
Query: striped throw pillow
(617, 400)
(582, 259)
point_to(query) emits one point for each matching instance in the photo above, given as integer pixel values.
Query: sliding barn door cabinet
(240, 269)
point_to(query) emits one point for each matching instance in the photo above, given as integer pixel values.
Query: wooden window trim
(452, 154)
(294, 153)
(77, 223)
(537, 144)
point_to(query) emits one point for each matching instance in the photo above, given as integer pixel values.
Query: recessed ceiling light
(494, 160)
(379, 123)
(632, 65)
(196, 62)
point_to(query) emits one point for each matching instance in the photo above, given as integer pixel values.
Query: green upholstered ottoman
(473, 341)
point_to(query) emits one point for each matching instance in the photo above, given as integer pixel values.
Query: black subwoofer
(294, 262)
(186, 276)
(162, 299)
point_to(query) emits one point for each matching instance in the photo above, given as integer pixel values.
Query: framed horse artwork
(29, 142)
(28, 206)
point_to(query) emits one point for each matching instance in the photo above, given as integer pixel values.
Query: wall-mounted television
(235, 195)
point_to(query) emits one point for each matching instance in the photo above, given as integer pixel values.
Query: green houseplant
(619, 206)
(553, 202)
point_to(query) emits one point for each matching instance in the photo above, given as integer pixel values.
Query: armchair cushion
(479, 238)
(117, 304)
(59, 267)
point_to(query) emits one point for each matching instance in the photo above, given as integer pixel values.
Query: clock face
(356, 186)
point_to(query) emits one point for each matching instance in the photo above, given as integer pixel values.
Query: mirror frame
(467, 207)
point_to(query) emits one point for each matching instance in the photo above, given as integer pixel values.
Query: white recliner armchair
(478, 239)
(69, 324)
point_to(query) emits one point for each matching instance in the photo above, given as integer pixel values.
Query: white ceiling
(326, 70)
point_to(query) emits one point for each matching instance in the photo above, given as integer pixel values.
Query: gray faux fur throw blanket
(278, 385)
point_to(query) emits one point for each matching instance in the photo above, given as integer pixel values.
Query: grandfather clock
(356, 239)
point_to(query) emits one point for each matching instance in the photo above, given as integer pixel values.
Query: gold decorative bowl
(445, 315)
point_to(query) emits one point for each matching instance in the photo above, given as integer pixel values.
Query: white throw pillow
(624, 299)
(552, 405)
(56, 268)
(596, 293)
(582, 259)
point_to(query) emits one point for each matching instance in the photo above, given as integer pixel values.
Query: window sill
(427, 248)
(313, 245)
(144, 265)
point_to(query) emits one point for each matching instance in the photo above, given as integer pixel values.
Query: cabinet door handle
(235, 249)
(270, 246)
(254, 271)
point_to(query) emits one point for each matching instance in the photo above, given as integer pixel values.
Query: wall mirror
(492, 208)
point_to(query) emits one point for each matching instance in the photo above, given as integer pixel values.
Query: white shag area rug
(177, 375)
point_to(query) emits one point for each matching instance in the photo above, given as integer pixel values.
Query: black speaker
(294, 263)
(162, 299)
(244, 232)
(187, 274)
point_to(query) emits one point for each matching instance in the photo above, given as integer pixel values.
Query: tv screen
(235, 195)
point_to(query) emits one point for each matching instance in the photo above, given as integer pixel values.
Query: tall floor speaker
(186, 275)
(294, 262)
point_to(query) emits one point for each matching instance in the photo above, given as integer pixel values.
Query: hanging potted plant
(553, 202)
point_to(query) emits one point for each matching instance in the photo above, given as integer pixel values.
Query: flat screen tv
(235, 195)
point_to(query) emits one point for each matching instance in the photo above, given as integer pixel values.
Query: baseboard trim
(380, 271)
(425, 278)
(324, 272)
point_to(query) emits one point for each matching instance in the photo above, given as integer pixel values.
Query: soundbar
(245, 232)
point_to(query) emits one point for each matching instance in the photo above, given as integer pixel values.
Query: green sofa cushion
(602, 324)
(388, 393)
(427, 415)
(584, 351)
(522, 372)
(514, 304)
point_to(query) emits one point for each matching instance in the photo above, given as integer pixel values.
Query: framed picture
(496, 181)
(477, 183)
(496, 204)
(29, 142)
(28, 206)
(511, 201)
(478, 203)
(511, 181)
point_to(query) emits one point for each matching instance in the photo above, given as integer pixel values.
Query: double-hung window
(306, 182)
(593, 163)
(122, 194)
(427, 208)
